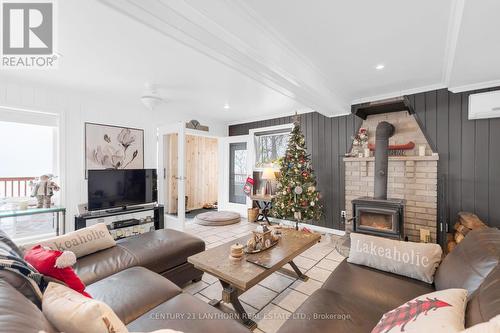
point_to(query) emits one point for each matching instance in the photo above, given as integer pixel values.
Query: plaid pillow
(441, 311)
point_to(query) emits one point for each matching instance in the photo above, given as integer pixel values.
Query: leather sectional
(360, 295)
(130, 277)
(139, 279)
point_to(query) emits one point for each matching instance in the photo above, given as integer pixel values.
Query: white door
(236, 167)
(171, 148)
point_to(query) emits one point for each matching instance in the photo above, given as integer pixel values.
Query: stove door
(377, 221)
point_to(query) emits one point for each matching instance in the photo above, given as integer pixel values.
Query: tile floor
(276, 297)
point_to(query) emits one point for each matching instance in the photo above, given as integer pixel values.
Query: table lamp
(268, 175)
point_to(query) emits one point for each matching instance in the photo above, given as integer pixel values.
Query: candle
(421, 150)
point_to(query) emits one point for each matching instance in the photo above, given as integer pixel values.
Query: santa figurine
(43, 190)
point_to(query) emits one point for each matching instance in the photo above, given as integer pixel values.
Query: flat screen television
(109, 189)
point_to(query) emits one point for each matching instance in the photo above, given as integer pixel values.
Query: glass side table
(58, 210)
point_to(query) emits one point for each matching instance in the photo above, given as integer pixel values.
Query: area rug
(217, 218)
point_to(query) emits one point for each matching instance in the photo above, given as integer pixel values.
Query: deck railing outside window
(15, 187)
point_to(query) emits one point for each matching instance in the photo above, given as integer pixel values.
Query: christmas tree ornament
(298, 190)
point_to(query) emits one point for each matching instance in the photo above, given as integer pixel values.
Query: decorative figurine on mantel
(43, 190)
(359, 144)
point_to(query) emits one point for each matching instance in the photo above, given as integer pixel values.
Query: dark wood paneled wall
(328, 139)
(469, 153)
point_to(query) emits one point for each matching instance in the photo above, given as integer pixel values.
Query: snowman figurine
(43, 190)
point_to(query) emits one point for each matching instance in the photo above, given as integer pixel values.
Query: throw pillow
(83, 241)
(69, 311)
(492, 326)
(56, 264)
(415, 260)
(472, 260)
(441, 311)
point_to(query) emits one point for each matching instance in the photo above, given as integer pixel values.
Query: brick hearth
(412, 178)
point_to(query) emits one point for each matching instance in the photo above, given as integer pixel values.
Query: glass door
(236, 167)
(237, 172)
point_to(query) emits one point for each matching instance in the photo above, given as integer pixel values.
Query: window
(270, 146)
(30, 150)
(237, 172)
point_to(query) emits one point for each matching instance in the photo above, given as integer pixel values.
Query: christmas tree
(296, 196)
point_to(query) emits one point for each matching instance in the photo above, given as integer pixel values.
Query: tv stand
(121, 209)
(158, 219)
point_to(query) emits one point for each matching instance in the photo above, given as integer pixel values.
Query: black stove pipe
(384, 131)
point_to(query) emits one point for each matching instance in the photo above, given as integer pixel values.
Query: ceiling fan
(151, 97)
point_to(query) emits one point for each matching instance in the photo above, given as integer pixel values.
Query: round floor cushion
(217, 218)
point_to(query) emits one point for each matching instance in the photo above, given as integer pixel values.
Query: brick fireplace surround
(410, 177)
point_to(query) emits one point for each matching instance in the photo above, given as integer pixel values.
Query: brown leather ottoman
(161, 251)
(132, 292)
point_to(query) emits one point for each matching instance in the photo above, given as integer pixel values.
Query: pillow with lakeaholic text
(416, 260)
(82, 241)
(441, 311)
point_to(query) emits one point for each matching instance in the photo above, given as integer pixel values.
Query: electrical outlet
(425, 235)
(342, 213)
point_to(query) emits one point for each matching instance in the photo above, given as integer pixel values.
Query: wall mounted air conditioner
(484, 105)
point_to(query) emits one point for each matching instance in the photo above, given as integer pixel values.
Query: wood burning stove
(379, 217)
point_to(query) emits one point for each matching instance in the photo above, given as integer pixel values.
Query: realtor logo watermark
(28, 34)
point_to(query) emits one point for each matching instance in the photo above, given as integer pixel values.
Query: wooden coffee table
(236, 277)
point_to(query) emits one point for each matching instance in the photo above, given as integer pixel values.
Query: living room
(249, 166)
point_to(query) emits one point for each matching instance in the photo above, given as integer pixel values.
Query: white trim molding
(454, 24)
(268, 117)
(475, 86)
(400, 93)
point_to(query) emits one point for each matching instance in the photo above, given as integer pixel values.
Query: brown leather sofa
(355, 297)
(139, 279)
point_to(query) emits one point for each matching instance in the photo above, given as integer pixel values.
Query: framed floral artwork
(113, 147)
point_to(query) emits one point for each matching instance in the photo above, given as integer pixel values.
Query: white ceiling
(347, 39)
(265, 58)
(106, 51)
(477, 56)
